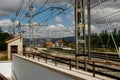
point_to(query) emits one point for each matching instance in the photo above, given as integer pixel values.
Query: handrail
(69, 59)
(2, 77)
(108, 63)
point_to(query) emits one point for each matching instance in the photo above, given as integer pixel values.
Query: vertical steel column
(80, 26)
(31, 24)
(19, 29)
(13, 29)
(89, 27)
(84, 28)
(76, 31)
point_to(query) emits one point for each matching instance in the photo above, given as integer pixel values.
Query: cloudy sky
(54, 18)
(104, 16)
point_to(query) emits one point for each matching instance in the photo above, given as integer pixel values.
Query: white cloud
(53, 1)
(58, 19)
(5, 23)
(9, 6)
(51, 31)
(73, 22)
(4, 13)
(69, 17)
(109, 13)
(60, 26)
(51, 26)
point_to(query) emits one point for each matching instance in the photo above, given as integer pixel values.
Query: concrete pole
(84, 27)
(89, 27)
(76, 31)
(31, 24)
(19, 29)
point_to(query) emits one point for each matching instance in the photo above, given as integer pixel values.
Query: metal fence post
(85, 64)
(38, 57)
(70, 65)
(46, 58)
(55, 61)
(93, 68)
(33, 55)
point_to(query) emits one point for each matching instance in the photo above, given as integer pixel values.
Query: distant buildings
(49, 44)
(59, 43)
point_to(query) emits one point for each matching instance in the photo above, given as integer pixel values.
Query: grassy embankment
(3, 56)
(103, 50)
(46, 51)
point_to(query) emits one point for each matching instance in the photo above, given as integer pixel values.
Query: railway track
(100, 69)
(109, 71)
(105, 56)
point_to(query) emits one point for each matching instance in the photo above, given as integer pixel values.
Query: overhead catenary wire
(18, 11)
(41, 7)
(59, 13)
(44, 5)
(98, 3)
(108, 26)
(51, 15)
(24, 7)
(110, 15)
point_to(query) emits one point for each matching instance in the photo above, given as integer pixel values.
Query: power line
(98, 3)
(41, 7)
(57, 14)
(54, 12)
(108, 26)
(110, 15)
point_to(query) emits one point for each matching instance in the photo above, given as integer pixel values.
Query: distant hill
(67, 39)
(26, 41)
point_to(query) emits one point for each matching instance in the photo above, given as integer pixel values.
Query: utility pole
(80, 26)
(89, 27)
(10, 30)
(19, 29)
(76, 31)
(31, 24)
(83, 23)
(13, 29)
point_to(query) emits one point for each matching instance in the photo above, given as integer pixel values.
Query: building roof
(49, 42)
(13, 39)
(59, 41)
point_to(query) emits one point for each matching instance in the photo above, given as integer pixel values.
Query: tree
(105, 38)
(94, 40)
(1, 30)
(3, 37)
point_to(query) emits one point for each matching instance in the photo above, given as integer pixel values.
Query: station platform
(6, 69)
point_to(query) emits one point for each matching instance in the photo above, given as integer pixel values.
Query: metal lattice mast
(31, 23)
(80, 29)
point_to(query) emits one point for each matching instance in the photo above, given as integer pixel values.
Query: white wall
(19, 43)
(28, 70)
